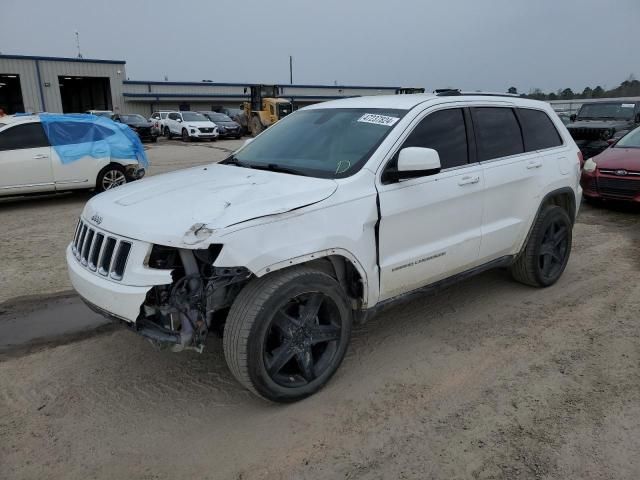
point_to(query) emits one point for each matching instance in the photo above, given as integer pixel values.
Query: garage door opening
(80, 94)
(10, 93)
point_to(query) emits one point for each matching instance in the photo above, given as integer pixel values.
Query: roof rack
(451, 92)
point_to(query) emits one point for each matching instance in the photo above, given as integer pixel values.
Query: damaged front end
(181, 314)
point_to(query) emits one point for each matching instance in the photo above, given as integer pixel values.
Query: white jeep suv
(334, 211)
(190, 126)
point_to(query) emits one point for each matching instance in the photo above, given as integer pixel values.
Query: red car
(615, 173)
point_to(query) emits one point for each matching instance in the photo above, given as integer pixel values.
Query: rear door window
(538, 130)
(26, 135)
(497, 132)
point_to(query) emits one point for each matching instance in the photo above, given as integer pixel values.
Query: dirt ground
(487, 379)
(34, 232)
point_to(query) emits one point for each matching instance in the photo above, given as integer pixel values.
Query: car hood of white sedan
(186, 208)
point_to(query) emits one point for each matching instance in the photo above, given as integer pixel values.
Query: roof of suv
(407, 102)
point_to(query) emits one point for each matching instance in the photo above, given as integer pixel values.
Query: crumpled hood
(187, 207)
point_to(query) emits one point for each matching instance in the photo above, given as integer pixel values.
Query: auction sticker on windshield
(378, 119)
(628, 105)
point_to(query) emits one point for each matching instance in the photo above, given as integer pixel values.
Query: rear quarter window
(538, 130)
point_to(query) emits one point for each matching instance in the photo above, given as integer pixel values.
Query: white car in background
(29, 164)
(190, 126)
(158, 120)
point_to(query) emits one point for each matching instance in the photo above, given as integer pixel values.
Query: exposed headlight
(607, 134)
(589, 166)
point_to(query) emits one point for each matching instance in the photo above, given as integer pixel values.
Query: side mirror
(418, 162)
(572, 117)
(179, 120)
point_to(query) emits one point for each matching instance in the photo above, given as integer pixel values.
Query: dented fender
(342, 225)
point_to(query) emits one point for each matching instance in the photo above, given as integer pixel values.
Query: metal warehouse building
(75, 85)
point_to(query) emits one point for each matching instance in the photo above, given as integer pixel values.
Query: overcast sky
(471, 44)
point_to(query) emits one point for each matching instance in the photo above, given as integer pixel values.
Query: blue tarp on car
(75, 136)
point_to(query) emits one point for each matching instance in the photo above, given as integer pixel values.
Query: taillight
(580, 159)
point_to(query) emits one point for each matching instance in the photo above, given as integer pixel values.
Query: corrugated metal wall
(28, 81)
(51, 70)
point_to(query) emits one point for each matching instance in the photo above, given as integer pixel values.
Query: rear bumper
(112, 299)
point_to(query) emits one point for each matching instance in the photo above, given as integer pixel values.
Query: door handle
(468, 180)
(40, 155)
(534, 164)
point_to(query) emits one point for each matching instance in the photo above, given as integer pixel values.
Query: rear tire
(287, 333)
(167, 133)
(545, 256)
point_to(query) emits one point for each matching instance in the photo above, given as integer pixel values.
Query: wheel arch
(563, 197)
(336, 262)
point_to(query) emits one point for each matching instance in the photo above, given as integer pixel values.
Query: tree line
(629, 88)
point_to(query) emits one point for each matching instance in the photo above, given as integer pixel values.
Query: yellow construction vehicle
(264, 108)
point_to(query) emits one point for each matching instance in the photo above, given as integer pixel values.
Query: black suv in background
(598, 124)
(143, 127)
(226, 127)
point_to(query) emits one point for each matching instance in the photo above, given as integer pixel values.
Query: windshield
(193, 117)
(218, 117)
(326, 143)
(132, 119)
(630, 140)
(622, 111)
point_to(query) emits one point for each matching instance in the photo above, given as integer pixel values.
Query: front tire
(287, 333)
(185, 135)
(547, 251)
(110, 177)
(167, 133)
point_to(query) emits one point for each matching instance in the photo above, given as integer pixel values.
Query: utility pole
(290, 69)
(78, 44)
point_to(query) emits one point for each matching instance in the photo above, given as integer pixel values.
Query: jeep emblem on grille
(621, 172)
(97, 219)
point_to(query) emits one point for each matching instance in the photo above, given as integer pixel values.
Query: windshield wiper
(232, 160)
(274, 167)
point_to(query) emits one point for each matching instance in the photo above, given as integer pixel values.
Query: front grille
(587, 133)
(619, 187)
(614, 172)
(206, 130)
(99, 251)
